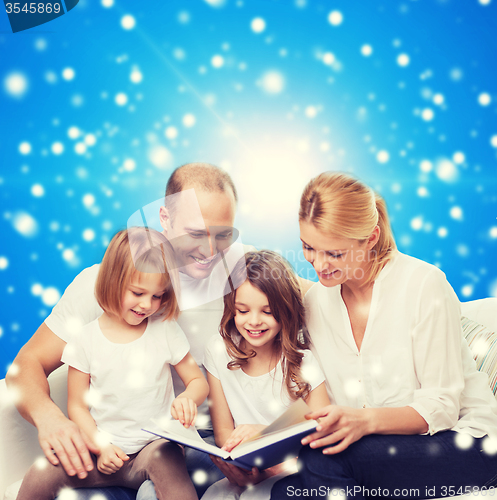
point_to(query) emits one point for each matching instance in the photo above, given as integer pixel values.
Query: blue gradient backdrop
(98, 106)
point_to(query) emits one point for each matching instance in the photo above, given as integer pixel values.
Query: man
(197, 241)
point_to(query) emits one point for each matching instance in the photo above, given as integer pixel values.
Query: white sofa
(19, 442)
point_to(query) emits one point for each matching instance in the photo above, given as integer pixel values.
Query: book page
(295, 414)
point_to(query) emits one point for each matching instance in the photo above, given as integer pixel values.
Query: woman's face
(335, 260)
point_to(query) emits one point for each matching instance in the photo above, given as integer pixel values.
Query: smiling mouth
(139, 314)
(203, 262)
(328, 275)
(256, 333)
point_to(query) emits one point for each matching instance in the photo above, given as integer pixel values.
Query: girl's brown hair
(137, 249)
(272, 275)
(339, 205)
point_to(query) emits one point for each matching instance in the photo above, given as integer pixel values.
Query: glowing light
(73, 132)
(171, 132)
(329, 58)
(446, 170)
(128, 22)
(90, 140)
(68, 74)
(80, 148)
(41, 463)
(456, 74)
(50, 296)
(200, 477)
(382, 156)
(458, 158)
(403, 60)
(107, 3)
(160, 157)
(493, 232)
(258, 25)
(485, 2)
(189, 120)
(129, 164)
(484, 99)
(493, 141)
(37, 289)
(217, 61)
(490, 445)
(466, 291)
(273, 82)
(57, 148)
(25, 224)
(422, 192)
(442, 232)
(427, 114)
(215, 3)
(37, 190)
(136, 76)
(366, 50)
(456, 213)
(311, 111)
(493, 288)
(68, 255)
(88, 200)
(88, 234)
(16, 84)
(121, 99)
(25, 148)
(438, 99)
(4, 263)
(335, 18)
(417, 223)
(184, 17)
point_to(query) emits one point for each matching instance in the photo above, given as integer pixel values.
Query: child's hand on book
(242, 433)
(111, 459)
(184, 409)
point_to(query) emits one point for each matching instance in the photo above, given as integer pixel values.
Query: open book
(276, 443)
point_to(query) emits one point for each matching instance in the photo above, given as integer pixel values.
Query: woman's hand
(242, 433)
(339, 424)
(236, 475)
(184, 409)
(110, 459)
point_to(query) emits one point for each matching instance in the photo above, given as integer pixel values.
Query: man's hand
(58, 434)
(242, 433)
(111, 459)
(184, 409)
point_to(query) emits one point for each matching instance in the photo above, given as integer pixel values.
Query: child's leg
(43, 481)
(164, 463)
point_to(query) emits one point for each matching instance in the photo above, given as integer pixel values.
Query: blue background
(97, 108)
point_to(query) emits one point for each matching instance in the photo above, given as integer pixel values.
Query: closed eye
(242, 312)
(137, 294)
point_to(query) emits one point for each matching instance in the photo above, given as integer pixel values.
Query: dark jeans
(202, 471)
(415, 467)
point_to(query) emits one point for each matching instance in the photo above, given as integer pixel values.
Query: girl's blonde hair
(137, 249)
(339, 205)
(272, 275)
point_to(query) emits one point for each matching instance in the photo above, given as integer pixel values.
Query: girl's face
(253, 318)
(141, 298)
(335, 260)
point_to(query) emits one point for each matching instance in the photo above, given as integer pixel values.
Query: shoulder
(305, 285)
(215, 346)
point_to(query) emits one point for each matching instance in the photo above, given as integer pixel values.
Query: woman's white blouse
(413, 353)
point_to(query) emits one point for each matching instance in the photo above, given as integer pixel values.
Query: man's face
(198, 238)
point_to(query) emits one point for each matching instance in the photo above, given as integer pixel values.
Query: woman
(411, 416)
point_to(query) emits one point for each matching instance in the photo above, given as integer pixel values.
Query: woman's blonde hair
(273, 276)
(339, 205)
(137, 249)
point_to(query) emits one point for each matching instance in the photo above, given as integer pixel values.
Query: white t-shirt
(255, 400)
(129, 383)
(78, 306)
(413, 352)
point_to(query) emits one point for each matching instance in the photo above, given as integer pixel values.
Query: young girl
(258, 366)
(119, 376)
